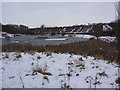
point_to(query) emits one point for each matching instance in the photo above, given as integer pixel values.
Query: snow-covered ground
(104, 38)
(4, 35)
(51, 70)
(85, 36)
(108, 38)
(8, 35)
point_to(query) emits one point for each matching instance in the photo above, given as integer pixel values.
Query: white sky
(34, 14)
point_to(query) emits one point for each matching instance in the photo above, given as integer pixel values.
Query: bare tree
(118, 30)
(98, 30)
(43, 26)
(118, 39)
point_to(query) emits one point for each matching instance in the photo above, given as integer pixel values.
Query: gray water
(31, 39)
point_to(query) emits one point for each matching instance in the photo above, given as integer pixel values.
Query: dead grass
(97, 83)
(103, 74)
(80, 63)
(38, 57)
(31, 52)
(46, 78)
(39, 70)
(18, 55)
(80, 59)
(97, 48)
(48, 53)
(5, 56)
(61, 74)
(117, 80)
(65, 86)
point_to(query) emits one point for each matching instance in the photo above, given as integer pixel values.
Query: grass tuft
(39, 70)
(18, 55)
(103, 74)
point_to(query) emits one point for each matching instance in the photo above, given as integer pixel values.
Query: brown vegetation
(46, 78)
(18, 56)
(38, 57)
(97, 48)
(103, 74)
(117, 80)
(41, 37)
(39, 70)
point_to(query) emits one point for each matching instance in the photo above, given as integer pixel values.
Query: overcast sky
(34, 14)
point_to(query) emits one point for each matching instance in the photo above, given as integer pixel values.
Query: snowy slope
(8, 35)
(4, 35)
(86, 29)
(53, 70)
(108, 38)
(103, 38)
(107, 28)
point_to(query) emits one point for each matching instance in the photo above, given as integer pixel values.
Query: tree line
(16, 29)
(22, 29)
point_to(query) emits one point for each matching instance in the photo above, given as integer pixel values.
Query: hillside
(93, 29)
(102, 29)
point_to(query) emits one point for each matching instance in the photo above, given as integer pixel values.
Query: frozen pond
(32, 39)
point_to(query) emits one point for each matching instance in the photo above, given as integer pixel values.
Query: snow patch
(108, 38)
(85, 36)
(5, 35)
(56, 39)
(107, 28)
(8, 35)
(74, 71)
